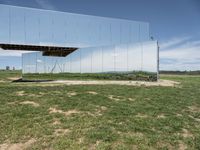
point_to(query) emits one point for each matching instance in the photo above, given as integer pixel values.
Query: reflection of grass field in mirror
(57, 117)
(144, 76)
(9, 75)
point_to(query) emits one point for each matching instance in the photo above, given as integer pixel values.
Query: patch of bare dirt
(135, 147)
(66, 113)
(34, 104)
(61, 132)
(166, 83)
(162, 145)
(161, 116)
(17, 146)
(12, 103)
(41, 93)
(34, 95)
(92, 92)
(196, 119)
(120, 123)
(139, 115)
(186, 134)
(115, 98)
(56, 122)
(13, 78)
(98, 111)
(131, 99)
(80, 140)
(194, 109)
(54, 110)
(20, 93)
(70, 94)
(182, 146)
(94, 146)
(103, 108)
(179, 115)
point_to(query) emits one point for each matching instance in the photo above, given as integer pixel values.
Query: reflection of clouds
(12, 53)
(39, 61)
(184, 55)
(126, 57)
(30, 66)
(173, 42)
(45, 4)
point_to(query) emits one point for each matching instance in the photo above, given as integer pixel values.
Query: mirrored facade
(49, 28)
(103, 44)
(118, 58)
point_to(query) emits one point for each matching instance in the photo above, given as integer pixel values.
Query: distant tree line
(197, 72)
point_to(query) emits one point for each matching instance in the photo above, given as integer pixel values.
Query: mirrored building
(75, 43)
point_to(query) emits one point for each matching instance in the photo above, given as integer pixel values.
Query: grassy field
(42, 116)
(145, 76)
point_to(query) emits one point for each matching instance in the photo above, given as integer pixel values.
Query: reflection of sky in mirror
(119, 58)
(50, 28)
(177, 28)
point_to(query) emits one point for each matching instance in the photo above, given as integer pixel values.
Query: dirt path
(166, 83)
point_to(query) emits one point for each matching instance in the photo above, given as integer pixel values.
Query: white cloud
(182, 55)
(173, 42)
(45, 4)
(12, 53)
(39, 61)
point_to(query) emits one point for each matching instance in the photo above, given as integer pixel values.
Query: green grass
(93, 76)
(8, 75)
(137, 117)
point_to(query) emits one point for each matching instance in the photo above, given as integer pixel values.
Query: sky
(174, 23)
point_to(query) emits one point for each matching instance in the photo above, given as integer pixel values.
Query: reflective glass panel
(17, 26)
(4, 24)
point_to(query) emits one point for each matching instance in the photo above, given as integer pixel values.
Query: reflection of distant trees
(7, 67)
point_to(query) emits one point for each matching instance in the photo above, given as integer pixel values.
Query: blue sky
(174, 23)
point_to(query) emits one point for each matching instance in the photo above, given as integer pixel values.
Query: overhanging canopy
(47, 50)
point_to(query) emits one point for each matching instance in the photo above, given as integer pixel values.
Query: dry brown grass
(34, 104)
(194, 109)
(139, 115)
(17, 146)
(186, 133)
(182, 146)
(20, 93)
(92, 92)
(56, 122)
(66, 113)
(61, 132)
(70, 94)
(131, 99)
(115, 98)
(161, 116)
